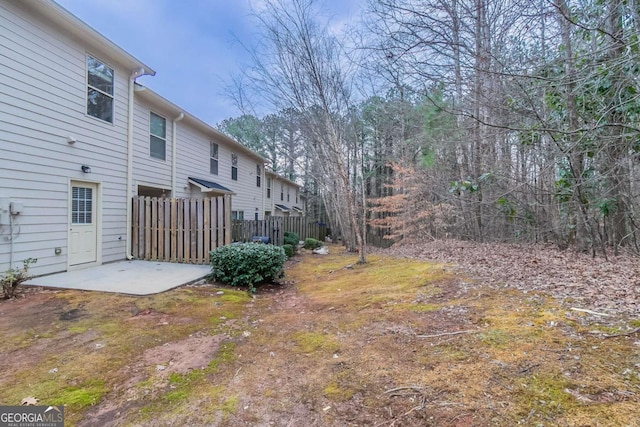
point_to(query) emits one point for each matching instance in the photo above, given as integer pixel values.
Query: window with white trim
(297, 196)
(100, 84)
(234, 166)
(268, 188)
(281, 192)
(157, 136)
(237, 215)
(81, 205)
(213, 158)
(258, 175)
(288, 194)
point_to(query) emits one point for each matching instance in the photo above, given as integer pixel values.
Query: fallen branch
(582, 310)
(626, 334)
(444, 334)
(410, 387)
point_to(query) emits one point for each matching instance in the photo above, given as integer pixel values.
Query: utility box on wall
(16, 207)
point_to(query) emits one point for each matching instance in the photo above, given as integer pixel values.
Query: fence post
(135, 226)
(227, 219)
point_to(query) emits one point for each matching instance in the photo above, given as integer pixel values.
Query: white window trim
(159, 137)
(86, 91)
(217, 158)
(234, 156)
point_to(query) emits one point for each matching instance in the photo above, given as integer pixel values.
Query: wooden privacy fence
(275, 226)
(180, 230)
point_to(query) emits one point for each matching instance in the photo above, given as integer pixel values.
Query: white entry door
(83, 224)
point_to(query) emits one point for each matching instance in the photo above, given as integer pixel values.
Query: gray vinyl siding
(43, 92)
(193, 161)
(248, 197)
(275, 197)
(148, 170)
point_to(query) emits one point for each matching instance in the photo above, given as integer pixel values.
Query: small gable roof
(206, 186)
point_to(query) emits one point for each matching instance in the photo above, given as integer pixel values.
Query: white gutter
(129, 195)
(174, 154)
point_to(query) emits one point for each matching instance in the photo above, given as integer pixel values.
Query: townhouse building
(79, 137)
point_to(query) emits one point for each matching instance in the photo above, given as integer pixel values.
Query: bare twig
(626, 334)
(409, 387)
(582, 310)
(444, 334)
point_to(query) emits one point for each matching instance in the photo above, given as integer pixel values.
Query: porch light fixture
(85, 169)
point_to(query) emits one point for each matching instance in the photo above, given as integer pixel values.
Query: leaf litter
(427, 334)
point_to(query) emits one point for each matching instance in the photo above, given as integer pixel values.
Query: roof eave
(152, 97)
(61, 17)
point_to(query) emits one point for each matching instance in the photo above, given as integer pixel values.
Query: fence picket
(174, 230)
(274, 227)
(185, 230)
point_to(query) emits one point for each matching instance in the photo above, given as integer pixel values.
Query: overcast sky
(195, 46)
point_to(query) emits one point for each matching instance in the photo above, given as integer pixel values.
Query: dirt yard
(397, 342)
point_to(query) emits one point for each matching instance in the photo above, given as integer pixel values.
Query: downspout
(174, 154)
(132, 82)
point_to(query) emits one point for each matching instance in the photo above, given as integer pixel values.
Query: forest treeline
(490, 120)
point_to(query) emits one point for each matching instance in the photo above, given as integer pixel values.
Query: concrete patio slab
(127, 277)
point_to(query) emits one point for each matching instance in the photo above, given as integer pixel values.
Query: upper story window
(99, 90)
(213, 158)
(258, 175)
(268, 188)
(281, 192)
(158, 136)
(234, 166)
(297, 196)
(288, 195)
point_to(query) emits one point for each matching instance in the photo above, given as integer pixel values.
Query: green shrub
(247, 264)
(291, 238)
(288, 250)
(310, 243)
(13, 277)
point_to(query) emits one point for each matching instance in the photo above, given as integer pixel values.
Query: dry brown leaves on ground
(611, 287)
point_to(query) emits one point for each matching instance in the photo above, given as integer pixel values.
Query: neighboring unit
(282, 197)
(79, 137)
(67, 95)
(178, 155)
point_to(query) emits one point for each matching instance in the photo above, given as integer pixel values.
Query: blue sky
(195, 46)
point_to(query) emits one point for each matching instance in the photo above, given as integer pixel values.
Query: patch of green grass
(635, 323)
(182, 380)
(544, 396)
(78, 329)
(175, 396)
(450, 353)
(230, 405)
(225, 354)
(87, 394)
(309, 342)
(495, 338)
(181, 384)
(334, 392)
(235, 296)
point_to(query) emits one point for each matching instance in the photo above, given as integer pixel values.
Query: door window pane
(81, 205)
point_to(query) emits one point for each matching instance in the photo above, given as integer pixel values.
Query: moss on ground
(395, 341)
